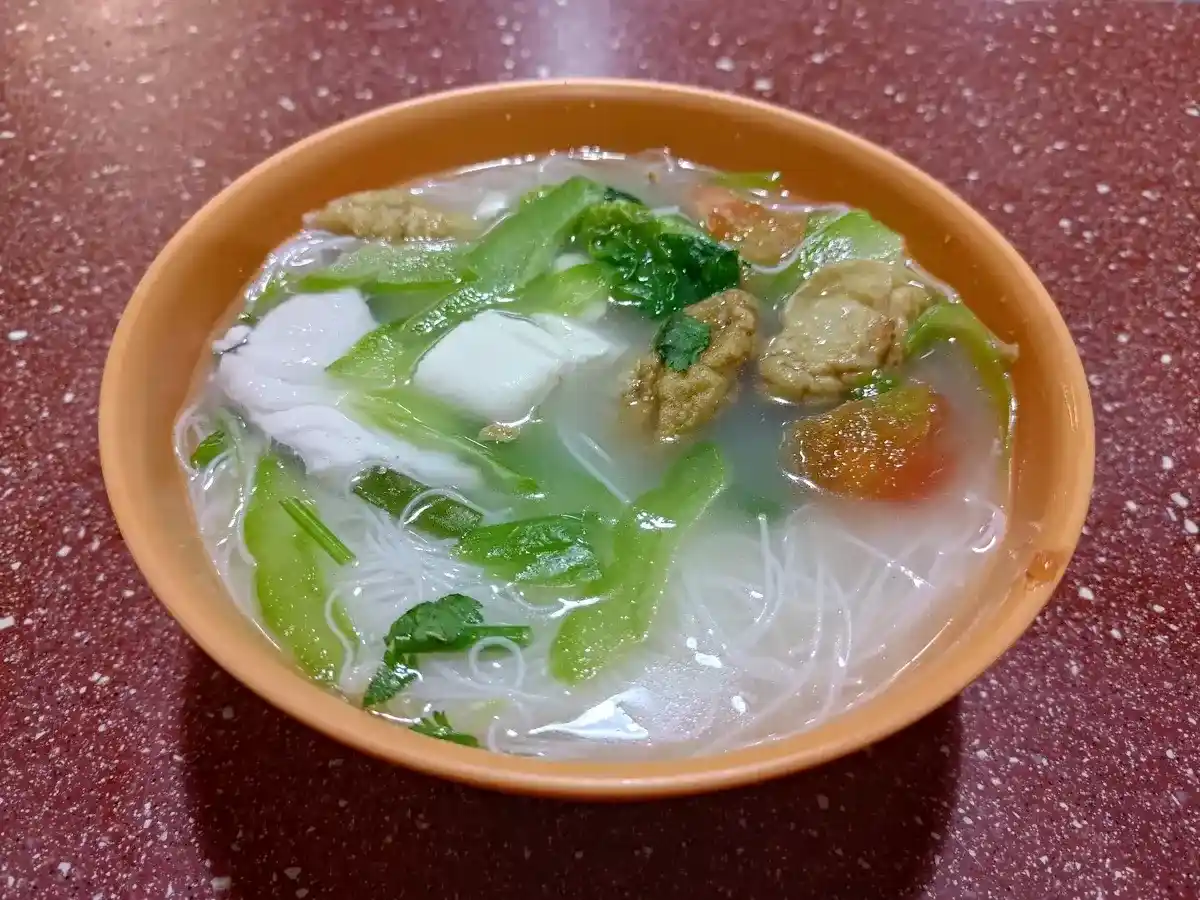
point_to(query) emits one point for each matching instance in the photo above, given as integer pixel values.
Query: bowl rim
(318, 708)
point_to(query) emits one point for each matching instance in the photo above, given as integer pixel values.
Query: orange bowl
(193, 283)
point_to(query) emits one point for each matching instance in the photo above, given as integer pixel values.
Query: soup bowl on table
(730, 459)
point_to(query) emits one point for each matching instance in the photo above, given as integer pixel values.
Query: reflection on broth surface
(587, 455)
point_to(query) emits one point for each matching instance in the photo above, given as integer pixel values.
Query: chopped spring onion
(304, 514)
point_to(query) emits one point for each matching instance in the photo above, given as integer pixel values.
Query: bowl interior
(192, 284)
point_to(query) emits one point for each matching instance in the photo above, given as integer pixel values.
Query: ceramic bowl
(191, 286)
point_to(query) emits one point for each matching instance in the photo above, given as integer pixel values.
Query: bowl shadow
(286, 812)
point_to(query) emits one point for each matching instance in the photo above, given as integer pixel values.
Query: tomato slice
(763, 236)
(893, 446)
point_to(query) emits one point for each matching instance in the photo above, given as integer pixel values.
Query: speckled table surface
(133, 768)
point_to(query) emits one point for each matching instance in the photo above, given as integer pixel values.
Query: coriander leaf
(393, 676)
(438, 726)
(435, 622)
(681, 340)
(449, 624)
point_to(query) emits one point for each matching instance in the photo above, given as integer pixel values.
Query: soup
(593, 455)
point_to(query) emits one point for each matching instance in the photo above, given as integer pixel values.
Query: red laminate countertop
(131, 767)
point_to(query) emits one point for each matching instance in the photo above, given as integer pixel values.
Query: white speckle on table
(1122, 338)
(1170, 753)
(1102, 188)
(301, 893)
(1158, 607)
(7, 135)
(64, 868)
(1192, 111)
(69, 397)
(1168, 464)
(822, 801)
(1086, 593)
(1165, 359)
(1190, 527)
(763, 85)
(1116, 632)
(7, 622)
(1180, 500)
(64, 551)
(292, 872)
(542, 71)
(227, 713)
(1131, 506)
(287, 103)
(18, 334)
(724, 63)
(223, 883)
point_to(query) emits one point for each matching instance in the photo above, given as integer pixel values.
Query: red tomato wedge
(761, 235)
(893, 446)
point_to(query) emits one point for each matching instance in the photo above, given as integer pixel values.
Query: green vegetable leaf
(209, 449)
(831, 238)
(705, 263)
(288, 581)
(990, 356)
(549, 550)
(681, 340)
(304, 514)
(525, 244)
(762, 182)
(389, 307)
(425, 422)
(391, 678)
(644, 541)
(571, 292)
(385, 267)
(873, 384)
(516, 250)
(660, 269)
(442, 517)
(438, 726)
